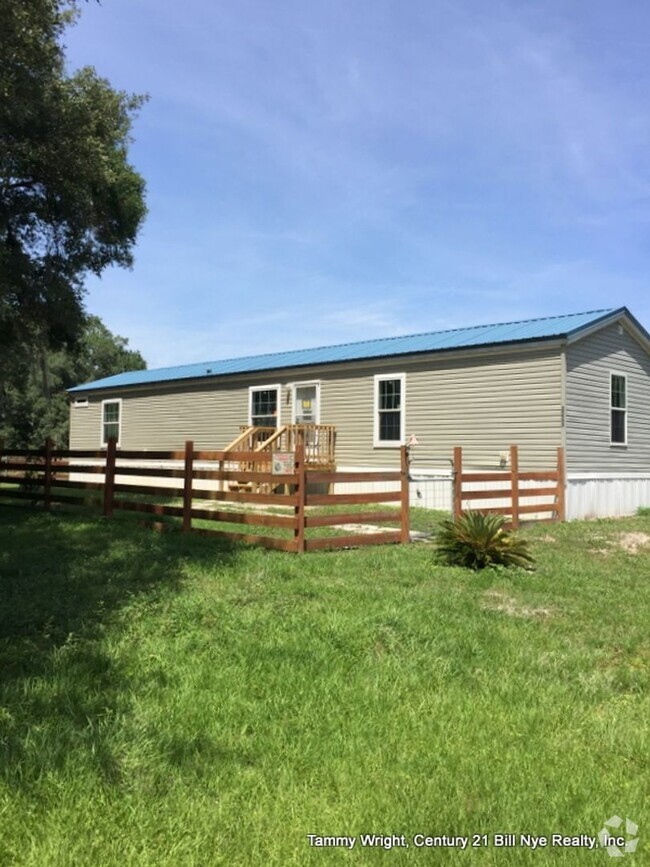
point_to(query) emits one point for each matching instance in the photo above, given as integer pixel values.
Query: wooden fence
(186, 488)
(513, 487)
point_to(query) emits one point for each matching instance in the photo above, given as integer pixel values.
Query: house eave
(461, 352)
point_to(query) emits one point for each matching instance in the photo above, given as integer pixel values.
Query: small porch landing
(319, 441)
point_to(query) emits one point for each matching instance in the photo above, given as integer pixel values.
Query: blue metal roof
(434, 341)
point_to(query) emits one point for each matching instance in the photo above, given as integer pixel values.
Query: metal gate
(431, 482)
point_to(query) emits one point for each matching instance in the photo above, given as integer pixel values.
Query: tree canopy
(33, 400)
(70, 202)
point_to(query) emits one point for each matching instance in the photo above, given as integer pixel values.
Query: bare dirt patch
(632, 542)
(415, 535)
(497, 600)
(360, 528)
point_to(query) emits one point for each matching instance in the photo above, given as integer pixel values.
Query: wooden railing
(511, 486)
(242, 441)
(319, 441)
(189, 484)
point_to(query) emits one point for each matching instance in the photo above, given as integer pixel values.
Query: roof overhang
(621, 315)
(314, 371)
(298, 364)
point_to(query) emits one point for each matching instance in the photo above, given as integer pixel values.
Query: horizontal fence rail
(513, 487)
(232, 496)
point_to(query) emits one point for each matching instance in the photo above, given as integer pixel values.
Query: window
(389, 409)
(111, 417)
(264, 405)
(618, 409)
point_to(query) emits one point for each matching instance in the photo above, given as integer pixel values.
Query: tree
(70, 202)
(33, 400)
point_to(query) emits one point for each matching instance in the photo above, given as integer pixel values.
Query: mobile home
(581, 381)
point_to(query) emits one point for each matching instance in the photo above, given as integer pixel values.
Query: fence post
(405, 500)
(47, 487)
(109, 478)
(561, 485)
(458, 482)
(299, 509)
(514, 493)
(187, 486)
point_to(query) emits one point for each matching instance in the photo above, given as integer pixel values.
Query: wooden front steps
(319, 442)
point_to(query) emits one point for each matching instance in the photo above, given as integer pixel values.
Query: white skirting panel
(606, 495)
(429, 490)
(589, 495)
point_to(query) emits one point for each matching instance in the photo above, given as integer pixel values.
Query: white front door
(306, 400)
(306, 410)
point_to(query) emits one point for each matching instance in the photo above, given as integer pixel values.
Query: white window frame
(389, 444)
(103, 442)
(613, 408)
(277, 388)
(294, 386)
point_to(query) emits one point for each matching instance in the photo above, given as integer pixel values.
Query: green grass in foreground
(170, 701)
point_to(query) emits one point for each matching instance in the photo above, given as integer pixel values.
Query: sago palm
(478, 539)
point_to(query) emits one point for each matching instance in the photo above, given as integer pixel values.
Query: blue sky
(325, 172)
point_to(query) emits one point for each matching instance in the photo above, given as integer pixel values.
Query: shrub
(476, 540)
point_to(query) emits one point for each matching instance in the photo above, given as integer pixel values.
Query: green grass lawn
(167, 700)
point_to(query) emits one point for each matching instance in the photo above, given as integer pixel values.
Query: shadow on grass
(63, 580)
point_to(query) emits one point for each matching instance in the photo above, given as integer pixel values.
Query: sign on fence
(283, 463)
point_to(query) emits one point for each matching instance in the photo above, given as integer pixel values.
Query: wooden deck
(319, 441)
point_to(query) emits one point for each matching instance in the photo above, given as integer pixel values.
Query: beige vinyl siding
(590, 362)
(165, 415)
(483, 401)
(483, 404)
(486, 407)
(85, 424)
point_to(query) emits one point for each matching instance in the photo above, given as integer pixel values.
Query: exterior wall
(84, 424)
(485, 404)
(481, 400)
(589, 363)
(164, 417)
